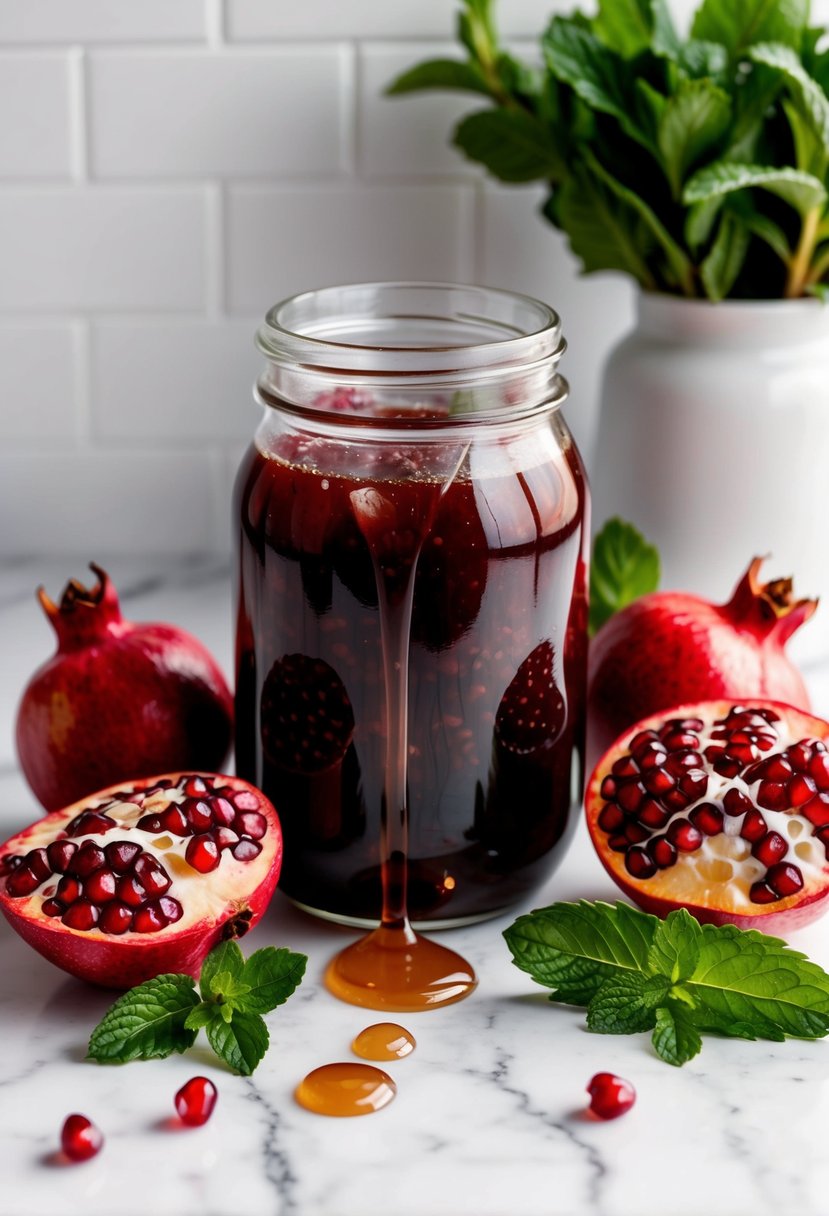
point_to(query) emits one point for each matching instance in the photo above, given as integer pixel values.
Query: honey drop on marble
(345, 1089)
(383, 1041)
(399, 970)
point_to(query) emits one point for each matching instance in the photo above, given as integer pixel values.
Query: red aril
(195, 1101)
(671, 648)
(116, 903)
(610, 1096)
(80, 1139)
(117, 700)
(738, 843)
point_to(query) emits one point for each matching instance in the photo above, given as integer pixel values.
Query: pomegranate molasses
(384, 1041)
(411, 615)
(345, 1089)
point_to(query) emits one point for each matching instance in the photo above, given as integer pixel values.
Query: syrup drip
(383, 1041)
(393, 967)
(345, 1089)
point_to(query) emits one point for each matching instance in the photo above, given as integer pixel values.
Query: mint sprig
(164, 1015)
(624, 567)
(676, 978)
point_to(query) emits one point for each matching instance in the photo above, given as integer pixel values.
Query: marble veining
(489, 1119)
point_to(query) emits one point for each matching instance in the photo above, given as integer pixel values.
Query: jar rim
(359, 326)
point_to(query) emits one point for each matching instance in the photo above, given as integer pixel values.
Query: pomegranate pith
(672, 648)
(124, 903)
(80, 1139)
(716, 852)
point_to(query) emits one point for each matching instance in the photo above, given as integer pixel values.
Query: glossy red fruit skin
(117, 699)
(195, 1101)
(792, 912)
(113, 961)
(80, 1139)
(672, 648)
(610, 1096)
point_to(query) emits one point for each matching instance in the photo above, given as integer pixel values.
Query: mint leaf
(271, 975)
(676, 945)
(203, 1015)
(241, 1043)
(226, 985)
(801, 190)
(603, 234)
(742, 22)
(675, 1038)
(574, 948)
(624, 567)
(225, 957)
(694, 121)
(440, 74)
(147, 1022)
(513, 145)
(725, 260)
(625, 1004)
(625, 26)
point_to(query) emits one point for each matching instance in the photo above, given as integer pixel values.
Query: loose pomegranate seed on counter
(195, 1101)
(80, 1139)
(610, 1096)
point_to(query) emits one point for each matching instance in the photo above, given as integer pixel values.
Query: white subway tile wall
(170, 168)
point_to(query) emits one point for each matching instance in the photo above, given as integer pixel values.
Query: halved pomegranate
(144, 877)
(719, 808)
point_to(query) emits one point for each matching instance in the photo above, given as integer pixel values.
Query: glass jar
(412, 459)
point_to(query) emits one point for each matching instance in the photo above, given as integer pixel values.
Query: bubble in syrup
(384, 1041)
(345, 1090)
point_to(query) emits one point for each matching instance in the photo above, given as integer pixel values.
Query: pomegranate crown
(83, 613)
(770, 606)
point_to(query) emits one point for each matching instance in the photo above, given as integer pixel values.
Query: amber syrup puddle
(345, 1089)
(393, 967)
(384, 1041)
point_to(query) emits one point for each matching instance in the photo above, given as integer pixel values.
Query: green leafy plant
(165, 1014)
(676, 978)
(624, 567)
(696, 164)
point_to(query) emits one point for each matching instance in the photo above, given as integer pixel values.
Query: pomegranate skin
(117, 700)
(121, 962)
(672, 648)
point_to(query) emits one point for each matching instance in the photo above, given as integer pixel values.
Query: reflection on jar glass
(413, 430)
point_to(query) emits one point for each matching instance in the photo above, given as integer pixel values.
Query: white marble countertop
(489, 1118)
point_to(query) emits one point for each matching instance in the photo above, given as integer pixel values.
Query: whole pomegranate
(671, 647)
(117, 700)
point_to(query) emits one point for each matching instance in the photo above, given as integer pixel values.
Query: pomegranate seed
(174, 821)
(22, 882)
(195, 1101)
(678, 762)
(225, 837)
(89, 822)
(100, 886)
(611, 818)
(223, 812)
(60, 853)
(642, 741)
(769, 714)
(116, 918)
(81, 915)
(801, 789)
(170, 909)
(52, 907)
(708, 818)
(244, 800)
(684, 835)
(736, 803)
(676, 800)
(38, 862)
(662, 851)
(152, 875)
(610, 1096)
(251, 823)
(246, 850)
(199, 815)
(753, 826)
(120, 855)
(654, 758)
(634, 833)
(658, 781)
(69, 889)
(193, 785)
(80, 1139)
(87, 860)
(694, 783)
(652, 815)
(784, 878)
(819, 770)
(202, 854)
(619, 844)
(150, 823)
(761, 893)
(625, 766)
(746, 753)
(816, 810)
(638, 863)
(608, 791)
(130, 891)
(148, 919)
(799, 755)
(772, 796)
(770, 848)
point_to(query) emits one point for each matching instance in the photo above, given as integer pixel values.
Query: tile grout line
(82, 383)
(78, 115)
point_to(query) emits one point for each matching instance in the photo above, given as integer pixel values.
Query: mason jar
(412, 512)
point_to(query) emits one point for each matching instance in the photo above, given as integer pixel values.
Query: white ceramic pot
(713, 439)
